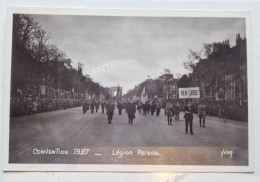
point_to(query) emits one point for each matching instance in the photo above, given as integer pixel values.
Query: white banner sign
(189, 93)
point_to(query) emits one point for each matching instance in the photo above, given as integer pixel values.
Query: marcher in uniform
(177, 111)
(145, 108)
(102, 106)
(97, 105)
(110, 110)
(130, 109)
(92, 106)
(188, 118)
(120, 107)
(85, 106)
(202, 113)
(158, 108)
(169, 111)
(153, 107)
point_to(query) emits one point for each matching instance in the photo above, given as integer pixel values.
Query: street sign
(189, 93)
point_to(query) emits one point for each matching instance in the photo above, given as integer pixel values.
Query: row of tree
(219, 70)
(36, 61)
(154, 87)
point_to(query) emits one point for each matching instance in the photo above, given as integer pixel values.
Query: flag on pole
(101, 98)
(155, 98)
(136, 98)
(119, 93)
(144, 96)
(87, 96)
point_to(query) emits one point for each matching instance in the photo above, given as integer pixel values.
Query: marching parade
(28, 105)
(58, 86)
(169, 108)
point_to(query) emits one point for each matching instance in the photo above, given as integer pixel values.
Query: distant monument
(113, 91)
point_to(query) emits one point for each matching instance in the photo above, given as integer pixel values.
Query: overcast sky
(136, 46)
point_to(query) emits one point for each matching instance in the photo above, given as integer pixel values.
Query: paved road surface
(149, 140)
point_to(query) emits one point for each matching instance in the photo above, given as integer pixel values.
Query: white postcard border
(122, 167)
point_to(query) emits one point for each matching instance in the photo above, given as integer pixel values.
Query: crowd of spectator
(27, 105)
(225, 111)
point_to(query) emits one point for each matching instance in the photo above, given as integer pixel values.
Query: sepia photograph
(129, 90)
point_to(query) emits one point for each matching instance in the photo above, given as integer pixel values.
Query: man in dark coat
(164, 107)
(110, 110)
(188, 118)
(148, 109)
(92, 106)
(131, 109)
(169, 111)
(145, 108)
(177, 109)
(202, 113)
(153, 106)
(97, 105)
(120, 107)
(85, 107)
(158, 108)
(102, 106)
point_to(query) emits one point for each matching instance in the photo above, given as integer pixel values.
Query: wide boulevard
(71, 137)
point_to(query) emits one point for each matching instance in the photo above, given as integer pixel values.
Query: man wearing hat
(188, 118)
(202, 113)
(110, 110)
(131, 109)
(169, 111)
(120, 107)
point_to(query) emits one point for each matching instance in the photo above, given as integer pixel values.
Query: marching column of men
(110, 107)
(26, 105)
(93, 106)
(171, 110)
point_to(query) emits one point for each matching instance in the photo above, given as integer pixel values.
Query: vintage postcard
(128, 91)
